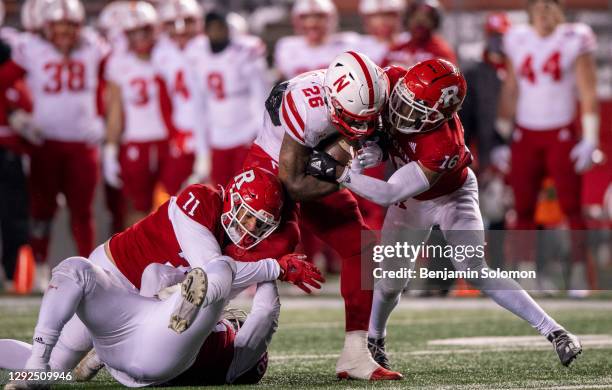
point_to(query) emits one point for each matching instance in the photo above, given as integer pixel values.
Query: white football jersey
(233, 86)
(293, 56)
(545, 70)
(174, 68)
(141, 89)
(64, 90)
(303, 115)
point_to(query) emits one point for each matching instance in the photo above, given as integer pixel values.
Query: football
(340, 148)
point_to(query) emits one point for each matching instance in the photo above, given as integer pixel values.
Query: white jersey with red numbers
(141, 92)
(302, 114)
(233, 86)
(545, 69)
(65, 90)
(294, 56)
(174, 67)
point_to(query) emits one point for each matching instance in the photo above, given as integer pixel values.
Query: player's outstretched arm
(293, 159)
(407, 182)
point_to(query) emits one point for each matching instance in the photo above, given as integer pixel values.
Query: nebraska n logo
(341, 83)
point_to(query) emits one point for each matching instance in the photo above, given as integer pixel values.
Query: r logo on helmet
(449, 96)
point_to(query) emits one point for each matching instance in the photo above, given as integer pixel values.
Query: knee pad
(78, 269)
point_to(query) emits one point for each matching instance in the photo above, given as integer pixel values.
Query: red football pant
(144, 165)
(72, 169)
(337, 221)
(373, 214)
(226, 163)
(536, 155)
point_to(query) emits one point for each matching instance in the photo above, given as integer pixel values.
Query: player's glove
(582, 155)
(23, 123)
(110, 165)
(369, 156)
(295, 270)
(323, 166)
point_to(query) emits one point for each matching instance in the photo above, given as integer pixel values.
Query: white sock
(382, 306)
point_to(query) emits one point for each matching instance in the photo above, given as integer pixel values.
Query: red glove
(295, 270)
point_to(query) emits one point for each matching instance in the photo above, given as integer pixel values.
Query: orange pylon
(464, 290)
(24, 271)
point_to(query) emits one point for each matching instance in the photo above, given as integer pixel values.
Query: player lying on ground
(302, 114)
(191, 234)
(234, 352)
(432, 185)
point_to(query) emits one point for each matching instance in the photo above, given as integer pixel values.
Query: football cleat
(566, 345)
(377, 349)
(356, 362)
(193, 290)
(88, 367)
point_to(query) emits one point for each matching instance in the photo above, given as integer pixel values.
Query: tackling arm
(292, 172)
(407, 182)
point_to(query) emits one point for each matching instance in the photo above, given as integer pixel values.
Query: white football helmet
(302, 8)
(63, 10)
(32, 15)
(357, 90)
(369, 7)
(172, 10)
(140, 14)
(237, 24)
(112, 14)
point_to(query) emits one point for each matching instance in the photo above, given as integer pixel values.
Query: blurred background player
(382, 21)
(31, 16)
(423, 19)
(230, 73)
(181, 21)
(63, 69)
(550, 68)
(14, 209)
(109, 24)
(316, 42)
(140, 132)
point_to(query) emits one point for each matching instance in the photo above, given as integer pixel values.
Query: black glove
(322, 166)
(5, 52)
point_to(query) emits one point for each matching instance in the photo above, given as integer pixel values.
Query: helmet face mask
(245, 226)
(252, 207)
(407, 115)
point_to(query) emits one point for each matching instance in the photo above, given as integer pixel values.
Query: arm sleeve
(198, 244)
(255, 272)
(405, 183)
(254, 336)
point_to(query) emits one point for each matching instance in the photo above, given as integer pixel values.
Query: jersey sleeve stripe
(290, 125)
(294, 111)
(368, 76)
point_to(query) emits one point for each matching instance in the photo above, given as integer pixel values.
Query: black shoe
(377, 349)
(566, 345)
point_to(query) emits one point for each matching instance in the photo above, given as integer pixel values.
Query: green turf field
(304, 350)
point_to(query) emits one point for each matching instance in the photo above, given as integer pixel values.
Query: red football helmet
(252, 206)
(427, 96)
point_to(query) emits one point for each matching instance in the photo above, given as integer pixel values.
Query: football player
(432, 185)
(230, 73)
(32, 19)
(182, 24)
(551, 58)
(189, 231)
(63, 67)
(316, 43)
(423, 20)
(109, 24)
(346, 99)
(382, 21)
(140, 132)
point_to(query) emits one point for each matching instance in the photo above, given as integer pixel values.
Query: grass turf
(303, 352)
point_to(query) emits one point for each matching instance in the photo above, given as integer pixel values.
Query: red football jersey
(153, 240)
(442, 150)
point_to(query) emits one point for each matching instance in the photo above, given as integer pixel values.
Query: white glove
(582, 155)
(201, 169)
(23, 123)
(110, 165)
(370, 155)
(501, 158)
